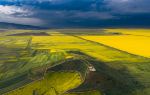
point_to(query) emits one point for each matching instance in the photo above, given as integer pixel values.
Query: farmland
(128, 41)
(57, 82)
(57, 62)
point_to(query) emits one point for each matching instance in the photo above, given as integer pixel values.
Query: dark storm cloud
(74, 13)
(128, 6)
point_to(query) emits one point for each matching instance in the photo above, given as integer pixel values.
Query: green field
(59, 62)
(56, 82)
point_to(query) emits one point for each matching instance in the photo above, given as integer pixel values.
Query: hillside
(4, 25)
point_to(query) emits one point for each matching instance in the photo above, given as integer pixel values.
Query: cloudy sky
(76, 13)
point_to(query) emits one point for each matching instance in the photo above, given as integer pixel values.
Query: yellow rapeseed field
(138, 45)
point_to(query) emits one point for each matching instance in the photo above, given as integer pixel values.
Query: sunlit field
(54, 83)
(68, 42)
(138, 45)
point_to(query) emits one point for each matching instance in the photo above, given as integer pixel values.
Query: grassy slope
(53, 82)
(12, 51)
(17, 62)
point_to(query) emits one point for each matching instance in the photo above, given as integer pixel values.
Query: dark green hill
(4, 25)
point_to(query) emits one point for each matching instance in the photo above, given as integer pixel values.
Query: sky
(76, 13)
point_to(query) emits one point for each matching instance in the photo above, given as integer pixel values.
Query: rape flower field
(138, 45)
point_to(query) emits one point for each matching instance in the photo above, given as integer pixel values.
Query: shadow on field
(109, 80)
(30, 34)
(72, 65)
(82, 31)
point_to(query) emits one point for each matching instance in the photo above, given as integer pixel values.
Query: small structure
(91, 68)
